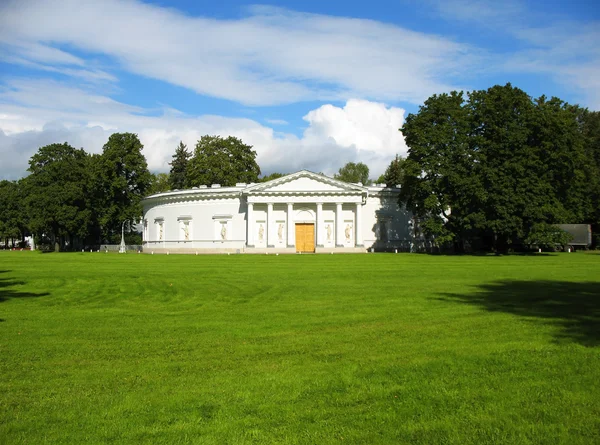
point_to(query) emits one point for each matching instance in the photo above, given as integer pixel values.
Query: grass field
(299, 349)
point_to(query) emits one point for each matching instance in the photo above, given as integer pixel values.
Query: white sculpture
(223, 231)
(261, 232)
(160, 231)
(280, 232)
(348, 232)
(186, 230)
(328, 232)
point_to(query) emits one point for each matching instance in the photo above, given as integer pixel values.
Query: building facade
(301, 212)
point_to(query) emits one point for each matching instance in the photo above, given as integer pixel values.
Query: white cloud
(37, 113)
(273, 56)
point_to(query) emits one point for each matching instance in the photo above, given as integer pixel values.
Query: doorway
(305, 237)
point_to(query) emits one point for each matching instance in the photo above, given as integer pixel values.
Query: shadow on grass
(7, 292)
(573, 307)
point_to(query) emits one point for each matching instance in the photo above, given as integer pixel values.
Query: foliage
(179, 165)
(492, 166)
(12, 211)
(159, 182)
(354, 173)
(58, 193)
(100, 348)
(271, 177)
(224, 161)
(394, 174)
(122, 180)
(547, 236)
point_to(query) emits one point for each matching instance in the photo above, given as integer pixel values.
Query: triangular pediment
(305, 182)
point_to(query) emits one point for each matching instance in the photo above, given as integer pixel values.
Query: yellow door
(305, 237)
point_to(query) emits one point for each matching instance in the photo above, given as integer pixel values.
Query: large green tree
(12, 212)
(494, 166)
(224, 161)
(122, 179)
(179, 166)
(353, 172)
(58, 195)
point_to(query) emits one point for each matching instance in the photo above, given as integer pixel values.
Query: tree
(159, 182)
(12, 214)
(590, 127)
(547, 236)
(437, 171)
(271, 177)
(493, 167)
(394, 174)
(58, 194)
(122, 180)
(224, 161)
(179, 165)
(353, 173)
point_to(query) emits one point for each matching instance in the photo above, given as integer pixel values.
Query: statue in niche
(329, 232)
(186, 230)
(160, 231)
(280, 232)
(348, 232)
(223, 231)
(261, 232)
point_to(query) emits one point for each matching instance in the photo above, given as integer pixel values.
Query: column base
(270, 246)
(360, 245)
(249, 245)
(320, 245)
(339, 245)
(291, 245)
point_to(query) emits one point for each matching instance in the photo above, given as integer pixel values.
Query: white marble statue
(280, 232)
(223, 231)
(261, 232)
(348, 232)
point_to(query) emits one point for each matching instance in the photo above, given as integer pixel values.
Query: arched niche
(304, 215)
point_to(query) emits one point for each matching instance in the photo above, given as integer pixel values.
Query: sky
(309, 84)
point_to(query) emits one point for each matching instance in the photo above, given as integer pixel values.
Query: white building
(300, 212)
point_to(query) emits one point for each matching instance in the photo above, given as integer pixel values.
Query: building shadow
(7, 290)
(574, 308)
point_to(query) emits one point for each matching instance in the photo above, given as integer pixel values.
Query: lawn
(299, 349)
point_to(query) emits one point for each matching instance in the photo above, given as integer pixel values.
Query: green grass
(299, 349)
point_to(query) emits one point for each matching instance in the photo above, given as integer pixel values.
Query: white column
(290, 225)
(319, 224)
(358, 223)
(270, 231)
(339, 225)
(250, 233)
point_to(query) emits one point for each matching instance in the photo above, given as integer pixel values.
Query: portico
(280, 209)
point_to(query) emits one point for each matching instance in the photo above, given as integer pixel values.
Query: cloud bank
(44, 112)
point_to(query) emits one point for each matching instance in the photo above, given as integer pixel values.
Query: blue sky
(309, 84)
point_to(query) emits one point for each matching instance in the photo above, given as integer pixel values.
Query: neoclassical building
(301, 212)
